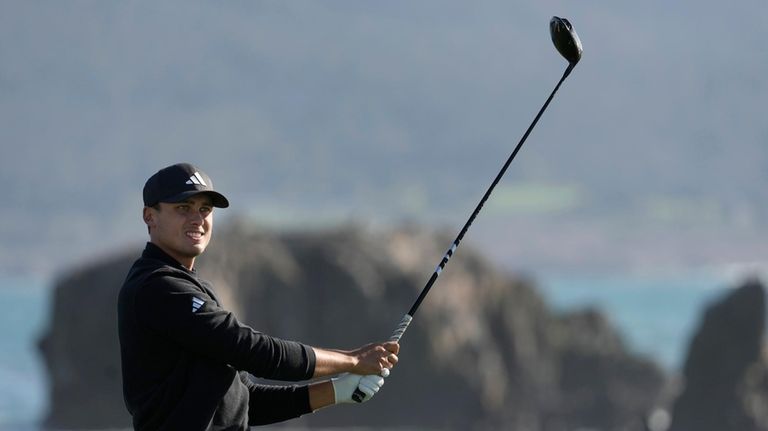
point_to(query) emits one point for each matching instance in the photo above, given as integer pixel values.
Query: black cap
(178, 182)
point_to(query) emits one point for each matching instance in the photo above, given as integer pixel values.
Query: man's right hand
(376, 357)
(369, 359)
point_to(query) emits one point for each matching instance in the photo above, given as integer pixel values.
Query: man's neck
(186, 262)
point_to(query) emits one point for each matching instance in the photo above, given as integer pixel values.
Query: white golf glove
(345, 384)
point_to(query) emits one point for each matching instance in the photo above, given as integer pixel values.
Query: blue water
(656, 315)
(23, 317)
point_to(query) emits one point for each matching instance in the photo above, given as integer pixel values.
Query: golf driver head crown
(565, 39)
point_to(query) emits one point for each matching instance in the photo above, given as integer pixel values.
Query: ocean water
(23, 317)
(656, 315)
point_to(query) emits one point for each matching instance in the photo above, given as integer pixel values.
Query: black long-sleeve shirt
(185, 358)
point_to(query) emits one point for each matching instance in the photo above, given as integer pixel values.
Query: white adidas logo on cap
(196, 179)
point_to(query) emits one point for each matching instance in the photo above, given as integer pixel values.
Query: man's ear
(149, 217)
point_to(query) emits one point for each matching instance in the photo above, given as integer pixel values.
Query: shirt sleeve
(269, 403)
(176, 309)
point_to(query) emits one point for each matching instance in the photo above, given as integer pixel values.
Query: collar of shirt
(152, 251)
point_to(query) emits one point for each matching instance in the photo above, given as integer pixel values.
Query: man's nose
(195, 217)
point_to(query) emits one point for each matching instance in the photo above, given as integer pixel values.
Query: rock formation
(484, 351)
(726, 372)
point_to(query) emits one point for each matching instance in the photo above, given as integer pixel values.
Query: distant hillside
(484, 352)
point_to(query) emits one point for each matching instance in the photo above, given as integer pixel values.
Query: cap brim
(219, 201)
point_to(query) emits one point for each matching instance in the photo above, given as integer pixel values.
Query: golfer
(186, 359)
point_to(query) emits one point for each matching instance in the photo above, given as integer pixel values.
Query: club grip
(358, 396)
(401, 327)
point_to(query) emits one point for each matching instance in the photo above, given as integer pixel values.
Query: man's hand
(369, 359)
(363, 375)
(374, 358)
(344, 386)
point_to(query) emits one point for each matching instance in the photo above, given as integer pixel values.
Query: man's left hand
(344, 386)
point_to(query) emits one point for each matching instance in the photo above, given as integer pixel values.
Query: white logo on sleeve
(196, 179)
(196, 304)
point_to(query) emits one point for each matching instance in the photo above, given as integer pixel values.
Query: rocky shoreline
(495, 356)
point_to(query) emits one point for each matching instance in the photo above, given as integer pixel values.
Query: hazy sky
(341, 110)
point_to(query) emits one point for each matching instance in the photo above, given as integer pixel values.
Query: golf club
(569, 46)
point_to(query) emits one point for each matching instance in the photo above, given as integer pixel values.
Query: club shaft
(407, 318)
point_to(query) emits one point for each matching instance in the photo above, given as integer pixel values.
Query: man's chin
(199, 249)
(194, 250)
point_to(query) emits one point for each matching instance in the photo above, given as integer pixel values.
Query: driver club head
(565, 39)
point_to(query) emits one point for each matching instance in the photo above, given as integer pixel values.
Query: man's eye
(184, 208)
(206, 210)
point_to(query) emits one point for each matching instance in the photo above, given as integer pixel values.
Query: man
(185, 359)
